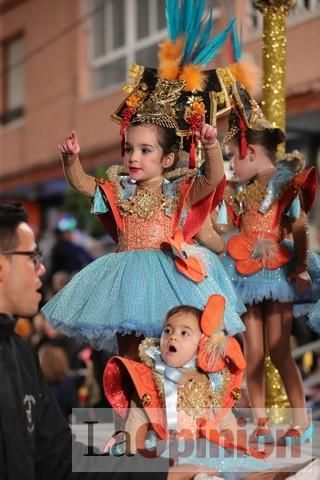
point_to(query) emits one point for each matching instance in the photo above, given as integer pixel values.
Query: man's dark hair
(11, 215)
(186, 309)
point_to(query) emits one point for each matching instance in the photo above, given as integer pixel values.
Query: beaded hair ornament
(180, 94)
(246, 115)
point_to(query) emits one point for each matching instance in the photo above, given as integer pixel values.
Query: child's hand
(207, 135)
(70, 145)
(301, 280)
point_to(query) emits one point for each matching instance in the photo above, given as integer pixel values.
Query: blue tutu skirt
(231, 464)
(314, 317)
(263, 285)
(131, 292)
(274, 284)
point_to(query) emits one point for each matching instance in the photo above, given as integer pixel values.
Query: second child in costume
(151, 209)
(185, 386)
(268, 204)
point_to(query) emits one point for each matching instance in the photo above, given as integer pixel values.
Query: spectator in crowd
(67, 255)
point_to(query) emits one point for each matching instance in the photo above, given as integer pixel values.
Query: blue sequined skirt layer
(132, 292)
(231, 464)
(314, 317)
(305, 301)
(274, 284)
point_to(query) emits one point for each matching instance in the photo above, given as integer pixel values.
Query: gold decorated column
(274, 107)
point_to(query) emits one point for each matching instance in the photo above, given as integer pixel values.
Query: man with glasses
(35, 440)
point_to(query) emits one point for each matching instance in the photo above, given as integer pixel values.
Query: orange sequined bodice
(142, 234)
(255, 224)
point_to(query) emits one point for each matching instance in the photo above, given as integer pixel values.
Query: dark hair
(268, 138)
(186, 309)
(11, 215)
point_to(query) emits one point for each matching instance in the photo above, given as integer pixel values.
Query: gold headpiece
(245, 115)
(180, 94)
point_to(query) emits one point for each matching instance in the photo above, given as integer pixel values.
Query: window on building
(124, 32)
(13, 80)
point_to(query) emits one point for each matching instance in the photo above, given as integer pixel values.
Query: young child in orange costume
(185, 386)
(268, 204)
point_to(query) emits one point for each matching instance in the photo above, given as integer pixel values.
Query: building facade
(63, 63)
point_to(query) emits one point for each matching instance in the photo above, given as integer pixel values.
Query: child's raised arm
(74, 173)
(213, 166)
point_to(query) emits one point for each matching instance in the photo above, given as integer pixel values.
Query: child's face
(143, 158)
(180, 339)
(244, 168)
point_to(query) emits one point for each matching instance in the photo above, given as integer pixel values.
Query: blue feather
(236, 43)
(193, 31)
(206, 55)
(205, 36)
(172, 19)
(185, 15)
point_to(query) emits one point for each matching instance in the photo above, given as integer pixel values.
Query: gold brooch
(236, 393)
(146, 400)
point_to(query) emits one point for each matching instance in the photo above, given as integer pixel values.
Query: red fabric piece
(199, 212)
(123, 142)
(243, 140)
(112, 219)
(192, 155)
(305, 183)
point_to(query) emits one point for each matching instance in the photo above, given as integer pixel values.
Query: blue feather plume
(172, 19)
(193, 31)
(207, 54)
(184, 18)
(205, 36)
(236, 43)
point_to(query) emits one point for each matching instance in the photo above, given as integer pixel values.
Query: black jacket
(35, 440)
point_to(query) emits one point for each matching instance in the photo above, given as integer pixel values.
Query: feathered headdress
(180, 94)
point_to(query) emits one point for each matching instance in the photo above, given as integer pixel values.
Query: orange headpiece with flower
(217, 349)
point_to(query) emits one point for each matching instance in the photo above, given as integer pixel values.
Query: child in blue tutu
(151, 208)
(128, 292)
(268, 204)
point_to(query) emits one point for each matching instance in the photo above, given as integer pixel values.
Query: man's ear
(168, 160)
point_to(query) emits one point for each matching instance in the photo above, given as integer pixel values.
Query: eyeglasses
(35, 255)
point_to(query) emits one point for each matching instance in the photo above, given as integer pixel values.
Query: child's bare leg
(254, 353)
(279, 325)
(128, 346)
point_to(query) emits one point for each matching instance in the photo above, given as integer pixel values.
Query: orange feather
(170, 50)
(249, 74)
(169, 69)
(193, 76)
